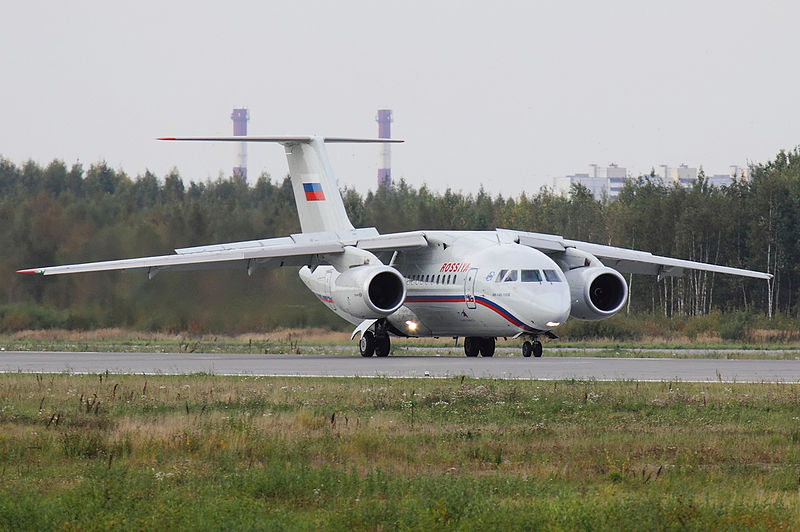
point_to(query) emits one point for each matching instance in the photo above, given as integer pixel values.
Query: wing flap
(248, 244)
(394, 241)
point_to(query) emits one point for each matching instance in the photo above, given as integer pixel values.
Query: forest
(59, 214)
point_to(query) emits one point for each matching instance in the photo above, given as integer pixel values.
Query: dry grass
(315, 339)
(315, 335)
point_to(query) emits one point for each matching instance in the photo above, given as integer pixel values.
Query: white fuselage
(468, 284)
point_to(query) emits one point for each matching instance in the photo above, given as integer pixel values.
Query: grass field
(292, 341)
(94, 452)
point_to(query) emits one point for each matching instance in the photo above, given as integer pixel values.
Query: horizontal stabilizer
(283, 139)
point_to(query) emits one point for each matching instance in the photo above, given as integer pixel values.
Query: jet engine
(596, 292)
(369, 291)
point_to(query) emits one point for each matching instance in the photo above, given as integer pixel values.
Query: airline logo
(459, 267)
(313, 192)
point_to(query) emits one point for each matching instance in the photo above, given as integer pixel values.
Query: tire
(537, 348)
(366, 346)
(527, 349)
(472, 345)
(487, 346)
(382, 346)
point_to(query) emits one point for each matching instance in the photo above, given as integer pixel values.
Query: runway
(545, 368)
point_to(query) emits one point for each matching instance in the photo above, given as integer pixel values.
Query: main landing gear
(473, 345)
(370, 344)
(375, 343)
(532, 348)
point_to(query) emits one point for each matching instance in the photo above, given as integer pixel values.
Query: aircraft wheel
(527, 349)
(382, 345)
(472, 345)
(366, 345)
(537, 348)
(487, 346)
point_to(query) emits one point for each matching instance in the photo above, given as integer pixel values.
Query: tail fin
(319, 203)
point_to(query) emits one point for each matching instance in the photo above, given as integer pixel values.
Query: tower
(384, 120)
(240, 117)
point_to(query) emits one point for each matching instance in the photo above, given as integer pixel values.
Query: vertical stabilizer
(319, 203)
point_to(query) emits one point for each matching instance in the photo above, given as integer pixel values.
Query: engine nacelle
(369, 291)
(596, 292)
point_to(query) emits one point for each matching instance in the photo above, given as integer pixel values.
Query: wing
(621, 259)
(295, 250)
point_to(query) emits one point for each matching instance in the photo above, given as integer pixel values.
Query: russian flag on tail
(313, 192)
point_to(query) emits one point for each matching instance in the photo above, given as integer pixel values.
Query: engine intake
(369, 292)
(596, 292)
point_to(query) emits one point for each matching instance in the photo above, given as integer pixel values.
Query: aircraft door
(328, 281)
(469, 287)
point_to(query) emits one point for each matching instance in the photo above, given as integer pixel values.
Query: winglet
(31, 271)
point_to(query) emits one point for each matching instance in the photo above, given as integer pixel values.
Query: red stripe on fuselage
(480, 300)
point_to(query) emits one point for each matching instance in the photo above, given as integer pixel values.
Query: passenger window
(511, 277)
(437, 279)
(427, 278)
(552, 276)
(531, 276)
(499, 278)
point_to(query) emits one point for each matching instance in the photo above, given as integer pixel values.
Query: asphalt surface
(546, 368)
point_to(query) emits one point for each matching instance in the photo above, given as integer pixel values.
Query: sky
(504, 95)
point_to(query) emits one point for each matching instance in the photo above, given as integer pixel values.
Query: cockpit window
(531, 276)
(499, 278)
(512, 276)
(552, 276)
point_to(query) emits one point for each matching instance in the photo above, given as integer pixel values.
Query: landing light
(412, 326)
(553, 323)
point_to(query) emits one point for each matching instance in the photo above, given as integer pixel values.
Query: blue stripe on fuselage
(491, 305)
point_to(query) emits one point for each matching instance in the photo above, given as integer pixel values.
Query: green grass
(205, 452)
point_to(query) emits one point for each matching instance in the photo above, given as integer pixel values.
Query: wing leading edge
(621, 259)
(296, 250)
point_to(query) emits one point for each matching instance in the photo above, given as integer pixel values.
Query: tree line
(58, 214)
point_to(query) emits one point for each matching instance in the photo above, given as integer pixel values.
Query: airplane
(479, 285)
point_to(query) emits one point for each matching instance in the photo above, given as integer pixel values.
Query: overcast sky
(503, 94)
